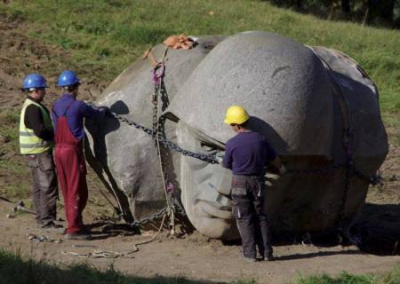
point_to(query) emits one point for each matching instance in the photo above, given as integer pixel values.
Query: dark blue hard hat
(34, 81)
(68, 78)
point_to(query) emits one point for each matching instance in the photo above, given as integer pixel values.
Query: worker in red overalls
(67, 116)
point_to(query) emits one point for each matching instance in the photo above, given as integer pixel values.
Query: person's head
(69, 82)
(35, 85)
(237, 117)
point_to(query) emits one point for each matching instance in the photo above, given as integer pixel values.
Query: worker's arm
(34, 120)
(274, 159)
(227, 161)
(89, 111)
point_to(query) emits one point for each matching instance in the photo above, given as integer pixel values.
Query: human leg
(48, 188)
(263, 231)
(33, 166)
(244, 220)
(68, 169)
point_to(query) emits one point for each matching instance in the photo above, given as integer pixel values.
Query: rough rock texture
(301, 98)
(126, 158)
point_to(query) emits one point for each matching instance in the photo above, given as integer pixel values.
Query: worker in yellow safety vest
(36, 143)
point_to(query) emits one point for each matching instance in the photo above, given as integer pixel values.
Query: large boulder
(305, 100)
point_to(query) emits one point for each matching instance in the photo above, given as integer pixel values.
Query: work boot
(51, 226)
(249, 259)
(268, 257)
(78, 236)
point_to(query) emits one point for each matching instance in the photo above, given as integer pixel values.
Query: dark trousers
(248, 194)
(44, 187)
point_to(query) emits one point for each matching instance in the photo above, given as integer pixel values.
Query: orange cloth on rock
(179, 42)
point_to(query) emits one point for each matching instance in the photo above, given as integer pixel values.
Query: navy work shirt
(247, 154)
(75, 114)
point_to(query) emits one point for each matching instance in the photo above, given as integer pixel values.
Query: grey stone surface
(126, 158)
(300, 98)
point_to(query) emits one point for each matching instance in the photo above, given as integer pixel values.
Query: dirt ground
(193, 256)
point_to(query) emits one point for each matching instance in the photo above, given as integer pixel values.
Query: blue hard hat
(34, 81)
(67, 79)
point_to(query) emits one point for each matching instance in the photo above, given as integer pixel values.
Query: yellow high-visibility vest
(29, 143)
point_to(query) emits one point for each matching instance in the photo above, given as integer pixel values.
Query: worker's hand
(91, 104)
(272, 177)
(282, 170)
(219, 157)
(106, 110)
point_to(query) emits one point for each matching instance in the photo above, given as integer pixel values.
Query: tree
(346, 6)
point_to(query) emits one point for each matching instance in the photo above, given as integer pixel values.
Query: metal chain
(374, 179)
(170, 145)
(132, 123)
(162, 212)
(157, 215)
(157, 135)
(211, 159)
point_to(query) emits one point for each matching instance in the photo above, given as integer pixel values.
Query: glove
(219, 157)
(105, 110)
(282, 170)
(270, 177)
(91, 104)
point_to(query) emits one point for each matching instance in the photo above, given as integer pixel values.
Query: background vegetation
(105, 36)
(16, 270)
(384, 13)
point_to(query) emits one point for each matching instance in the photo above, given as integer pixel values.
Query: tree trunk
(299, 4)
(346, 6)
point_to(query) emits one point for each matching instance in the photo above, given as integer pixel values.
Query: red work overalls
(71, 168)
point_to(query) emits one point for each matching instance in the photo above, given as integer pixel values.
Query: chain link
(157, 215)
(211, 159)
(374, 180)
(170, 145)
(157, 135)
(162, 212)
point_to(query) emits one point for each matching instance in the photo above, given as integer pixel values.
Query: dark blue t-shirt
(247, 154)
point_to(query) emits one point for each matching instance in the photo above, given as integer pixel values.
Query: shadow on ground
(376, 231)
(15, 270)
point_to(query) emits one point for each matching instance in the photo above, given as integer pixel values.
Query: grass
(392, 277)
(16, 269)
(105, 36)
(10, 165)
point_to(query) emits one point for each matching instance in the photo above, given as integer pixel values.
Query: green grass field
(105, 36)
(18, 270)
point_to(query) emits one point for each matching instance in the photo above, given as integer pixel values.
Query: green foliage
(378, 13)
(392, 277)
(9, 121)
(15, 270)
(106, 36)
(9, 117)
(344, 278)
(19, 190)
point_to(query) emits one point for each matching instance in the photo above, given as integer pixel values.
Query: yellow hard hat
(236, 115)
